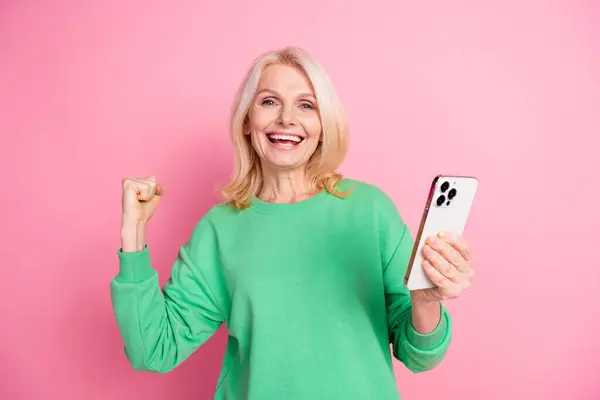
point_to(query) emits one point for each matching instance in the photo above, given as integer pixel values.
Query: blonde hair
(331, 151)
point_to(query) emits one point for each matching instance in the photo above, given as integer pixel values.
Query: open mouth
(284, 139)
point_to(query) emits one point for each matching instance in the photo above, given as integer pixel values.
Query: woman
(305, 268)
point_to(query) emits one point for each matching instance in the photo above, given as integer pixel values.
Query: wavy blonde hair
(331, 151)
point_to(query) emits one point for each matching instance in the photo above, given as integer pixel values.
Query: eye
(307, 106)
(268, 102)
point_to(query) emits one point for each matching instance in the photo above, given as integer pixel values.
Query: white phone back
(450, 215)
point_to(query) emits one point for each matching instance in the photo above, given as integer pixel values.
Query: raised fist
(141, 197)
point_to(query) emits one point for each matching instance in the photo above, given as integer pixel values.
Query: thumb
(159, 193)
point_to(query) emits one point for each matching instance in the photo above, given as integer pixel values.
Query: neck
(284, 186)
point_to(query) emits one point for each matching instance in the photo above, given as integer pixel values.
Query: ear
(246, 128)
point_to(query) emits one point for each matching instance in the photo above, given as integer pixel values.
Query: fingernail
(442, 234)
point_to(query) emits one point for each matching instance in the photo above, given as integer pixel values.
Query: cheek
(257, 143)
(260, 118)
(312, 125)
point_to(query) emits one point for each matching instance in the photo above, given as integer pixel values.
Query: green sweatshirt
(312, 295)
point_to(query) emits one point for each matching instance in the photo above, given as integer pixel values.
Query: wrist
(133, 235)
(426, 314)
(128, 223)
(426, 309)
(421, 299)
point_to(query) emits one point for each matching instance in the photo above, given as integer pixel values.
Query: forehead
(285, 79)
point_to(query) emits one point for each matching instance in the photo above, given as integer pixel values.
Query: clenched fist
(141, 197)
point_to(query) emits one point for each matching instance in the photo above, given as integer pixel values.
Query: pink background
(506, 90)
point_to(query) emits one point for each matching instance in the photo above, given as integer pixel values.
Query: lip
(285, 133)
(284, 147)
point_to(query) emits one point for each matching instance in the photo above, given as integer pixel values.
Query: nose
(286, 116)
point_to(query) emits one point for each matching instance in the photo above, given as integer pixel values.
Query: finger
(449, 253)
(158, 194)
(150, 181)
(439, 263)
(445, 288)
(145, 191)
(133, 185)
(457, 242)
(439, 279)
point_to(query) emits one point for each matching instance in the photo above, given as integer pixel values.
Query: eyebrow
(276, 93)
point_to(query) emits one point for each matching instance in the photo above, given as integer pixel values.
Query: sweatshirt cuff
(134, 266)
(433, 339)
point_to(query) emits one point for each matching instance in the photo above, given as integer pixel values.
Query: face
(283, 121)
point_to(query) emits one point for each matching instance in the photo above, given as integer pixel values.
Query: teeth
(294, 138)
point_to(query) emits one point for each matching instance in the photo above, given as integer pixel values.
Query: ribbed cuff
(433, 339)
(134, 266)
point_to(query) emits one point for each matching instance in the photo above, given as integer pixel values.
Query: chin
(288, 157)
(285, 163)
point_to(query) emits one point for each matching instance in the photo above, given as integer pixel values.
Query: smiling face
(283, 120)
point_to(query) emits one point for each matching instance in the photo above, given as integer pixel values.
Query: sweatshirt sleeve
(162, 328)
(418, 352)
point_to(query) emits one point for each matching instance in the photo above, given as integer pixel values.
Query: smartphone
(447, 209)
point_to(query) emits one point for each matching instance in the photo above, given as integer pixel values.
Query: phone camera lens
(451, 193)
(445, 186)
(441, 200)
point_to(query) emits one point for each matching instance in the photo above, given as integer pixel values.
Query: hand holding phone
(447, 209)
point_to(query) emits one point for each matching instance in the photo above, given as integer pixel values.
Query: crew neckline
(289, 208)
